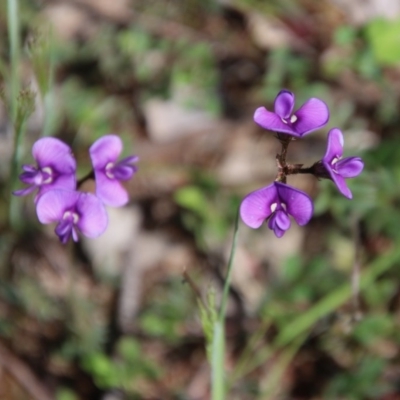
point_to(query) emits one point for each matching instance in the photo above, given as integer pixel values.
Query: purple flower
(55, 168)
(339, 168)
(275, 203)
(73, 211)
(104, 153)
(312, 115)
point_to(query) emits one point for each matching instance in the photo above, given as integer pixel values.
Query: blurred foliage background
(314, 315)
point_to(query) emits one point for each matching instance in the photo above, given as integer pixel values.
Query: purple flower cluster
(58, 199)
(276, 202)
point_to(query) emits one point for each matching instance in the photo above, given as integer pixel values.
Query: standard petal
(65, 182)
(271, 121)
(93, 216)
(284, 104)
(350, 167)
(52, 152)
(312, 115)
(51, 206)
(110, 191)
(298, 204)
(340, 182)
(105, 150)
(256, 206)
(334, 148)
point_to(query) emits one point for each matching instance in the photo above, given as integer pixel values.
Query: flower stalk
(218, 381)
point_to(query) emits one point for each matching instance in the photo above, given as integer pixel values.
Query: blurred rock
(360, 139)
(69, 21)
(268, 249)
(245, 277)
(126, 251)
(248, 158)
(270, 33)
(146, 252)
(115, 9)
(360, 12)
(267, 32)
(108, 252)
(167, 120)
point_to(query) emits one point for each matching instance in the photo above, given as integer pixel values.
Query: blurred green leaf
(345, 35)
(192, 198)
(384, 38)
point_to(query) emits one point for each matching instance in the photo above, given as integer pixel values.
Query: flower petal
(256, 206)
(350, 167)
(298, 204)
(340, 182)
(274, 226)
(24, 192)
(282, 220)
(284, 104)
(110, 191)
(129, 160)
(123, 172)
(93, 219)
(51, 205)
(105, 150)
(65, 182)
(271, 121)
(52, 152)
(334, 147)
(312, 115)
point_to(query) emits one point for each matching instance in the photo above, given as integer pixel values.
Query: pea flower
(104, 153)
(337, 168)
(275, 203)
(55, 168)
(73, 211)
(312, 115)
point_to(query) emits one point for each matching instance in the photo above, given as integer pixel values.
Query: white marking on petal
(341, 140)
(333, 164)
(69, 214)
(293, 119)
(273, 207)
(284, 120)
(48, 171)
(109, 173)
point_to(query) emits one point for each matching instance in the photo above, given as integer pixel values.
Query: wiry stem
(281, 158)
(13, 34)
(218, 344)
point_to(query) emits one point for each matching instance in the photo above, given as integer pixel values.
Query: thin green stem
(228, 278)
(218, 384)
(217, 362)
(14, 40)
(14, 215)
(13, 34)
